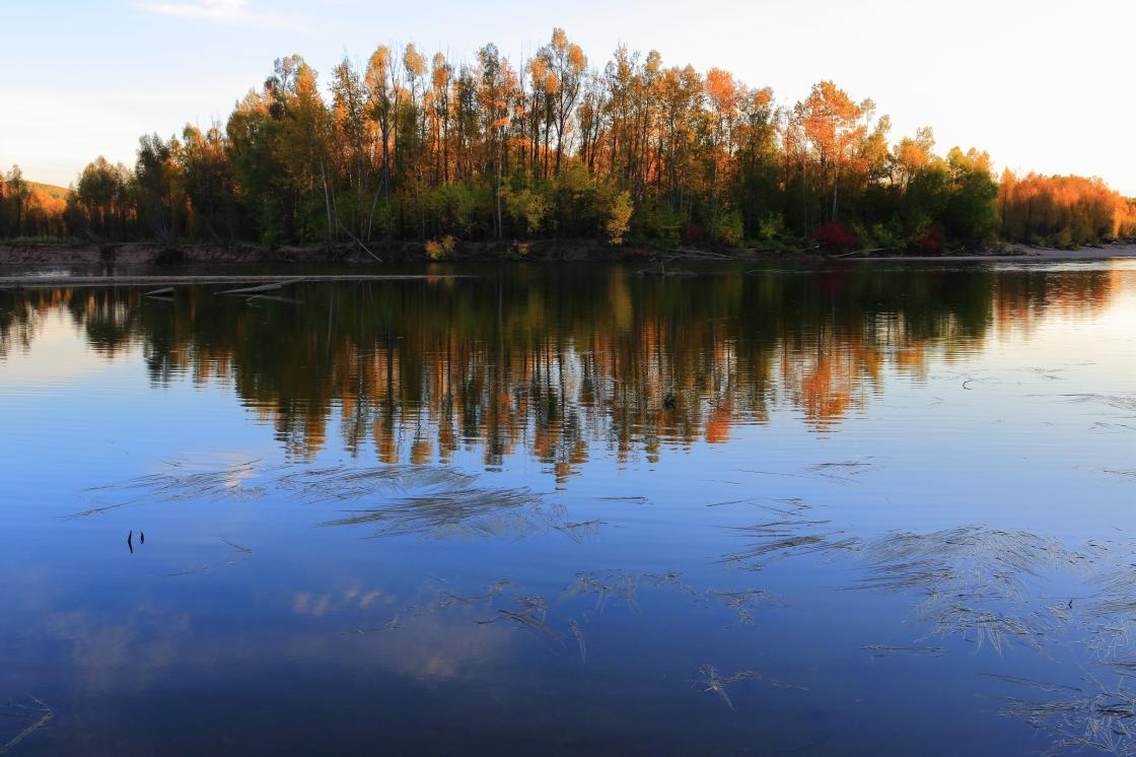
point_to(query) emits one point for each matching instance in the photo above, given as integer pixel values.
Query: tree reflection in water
(552, 362)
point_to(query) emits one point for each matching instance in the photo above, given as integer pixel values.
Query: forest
(406, 147)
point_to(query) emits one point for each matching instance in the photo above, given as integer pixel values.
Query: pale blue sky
(1040, 84)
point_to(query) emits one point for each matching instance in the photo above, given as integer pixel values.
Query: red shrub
(694, 233)
(933, 240)
(837, 236)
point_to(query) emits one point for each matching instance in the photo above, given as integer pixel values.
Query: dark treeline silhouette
(538, 363)
(406, 147)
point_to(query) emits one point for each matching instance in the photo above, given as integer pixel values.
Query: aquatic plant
(713, 682)
(40, 714)
(887, 650)
(488, 512)
(708, 676)
(408, 499)
(788, 534)
(214, 483)
(531, 613)
(604, 586)
(579, 531)
(743, 603)
(352, 483)
(578, 634)
(1097, 719)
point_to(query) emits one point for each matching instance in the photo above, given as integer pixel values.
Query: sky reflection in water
(880, 509)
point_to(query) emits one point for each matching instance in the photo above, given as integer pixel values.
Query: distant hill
(49, 197)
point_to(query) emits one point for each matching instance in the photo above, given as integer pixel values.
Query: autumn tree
(17, 200)
(410, 146)
(101, 202)
(567, 66)
(831, 124)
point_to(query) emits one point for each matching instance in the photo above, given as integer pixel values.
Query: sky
(1042, 85)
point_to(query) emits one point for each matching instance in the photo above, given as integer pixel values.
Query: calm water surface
(861, 510)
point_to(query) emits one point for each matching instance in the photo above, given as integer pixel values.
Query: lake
(879, 507)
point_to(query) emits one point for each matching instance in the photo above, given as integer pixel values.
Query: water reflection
(553, 363)
(838, 555)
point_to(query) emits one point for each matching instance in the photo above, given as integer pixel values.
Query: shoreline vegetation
(554, 157)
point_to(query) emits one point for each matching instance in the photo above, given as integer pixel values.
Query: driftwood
(271, 298)
(862, 252)
(693, 254)
(274, 286)
(359, 242)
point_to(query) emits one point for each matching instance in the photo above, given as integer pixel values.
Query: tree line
(30, 210)
(409, 147)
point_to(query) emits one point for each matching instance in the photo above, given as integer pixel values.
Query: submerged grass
(1100, 720)
(529, 612)
(606, 586)
(888, 650)
(986, 586)
(40, 713)
(743, 603)
(344, 483)
(1125, 402)
(790, 533)
(714, 682)
(578, 634)
(206, 484)
(974, 581)
(400, 499)
(487, 512)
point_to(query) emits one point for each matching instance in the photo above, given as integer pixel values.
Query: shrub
(933, 239)
(729, 228)
(885, 235)
(619, 218)
(441, 249)
(1063, 239)
(519, 250)
(527, 206)
(659, 222)
(771, 226)
(455, 207)
(694, 233)
(837, 236)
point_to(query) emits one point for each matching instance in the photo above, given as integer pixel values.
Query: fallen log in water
(274, 286)
(863, 253)
(273, 298)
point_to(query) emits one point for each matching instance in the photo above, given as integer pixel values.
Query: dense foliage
(410, 148)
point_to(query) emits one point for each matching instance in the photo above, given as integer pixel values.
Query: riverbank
(151, 253)
(551, 251)
(1022, 254)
